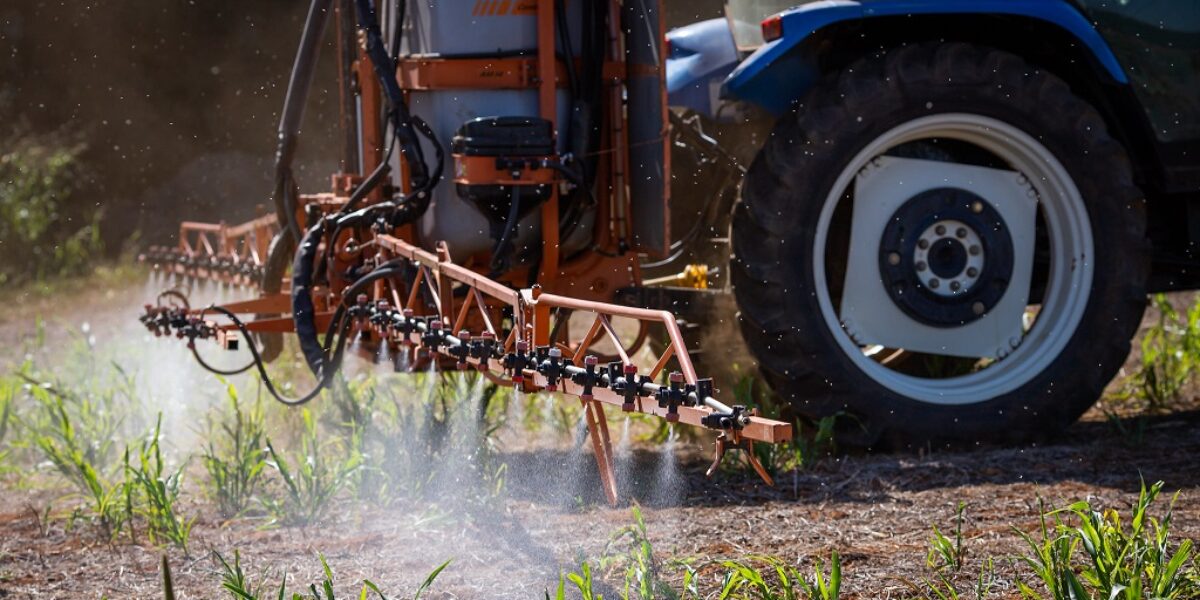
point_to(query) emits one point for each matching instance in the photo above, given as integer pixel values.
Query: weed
(1120, 562)
(769, 578)
(312, 479)
(946, 553)
(157, 492)
(234, 581)
(236, 456)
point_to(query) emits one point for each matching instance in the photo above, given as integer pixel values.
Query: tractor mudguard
(779, 73)
(701, 55)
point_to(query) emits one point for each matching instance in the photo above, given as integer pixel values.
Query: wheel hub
(950, 246)
(946, 257)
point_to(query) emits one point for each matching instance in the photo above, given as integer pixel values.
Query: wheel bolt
(961, 232)
(921, 266)
(934, 283)
(954, 285)
(975, 250)
(923, 244)
(972, 272)
(940, 230)
(894, 258)
(976, 207)
(977, 308)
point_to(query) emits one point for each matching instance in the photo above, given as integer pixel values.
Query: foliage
(943, 588)
(947, 557)
(47, 225)
(643, 573)
(157, 492)
(236, 584)
(235, 457)
(946, 553)
(1120, 562)
(312, 478)
(80, 454)
(769, 578)
(1170, 352)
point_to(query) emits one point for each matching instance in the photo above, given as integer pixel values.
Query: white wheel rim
(1067, 286)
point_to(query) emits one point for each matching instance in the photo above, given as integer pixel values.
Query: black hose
(303, 311)
(385, 70)
(293, 113)
(324, 377)
(212, 369)
(501, 253)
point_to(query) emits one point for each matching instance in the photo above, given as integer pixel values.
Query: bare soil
(874, 509)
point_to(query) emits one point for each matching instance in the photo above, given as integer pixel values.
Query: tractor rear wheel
(944, 243)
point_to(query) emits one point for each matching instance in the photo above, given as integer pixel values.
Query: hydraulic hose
(303, 311)
(300, 83)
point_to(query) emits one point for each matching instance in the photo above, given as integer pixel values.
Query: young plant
(235, 583)
(768, 578)
(643, 573)
(1120, 562)
(313, 477)
(53, 433)
(946, 553)
(236, 456)
(1170, 353)
(157, 492)
(944, 589)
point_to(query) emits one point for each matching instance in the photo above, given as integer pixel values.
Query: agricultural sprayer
(505, 166)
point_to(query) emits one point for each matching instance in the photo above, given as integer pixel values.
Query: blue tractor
(952, 210)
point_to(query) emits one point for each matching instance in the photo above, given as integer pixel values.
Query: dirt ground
(874, 510)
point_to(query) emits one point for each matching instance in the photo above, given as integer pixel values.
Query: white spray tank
(474, 29)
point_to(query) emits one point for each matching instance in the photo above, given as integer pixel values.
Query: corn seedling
(311, 479)
(1170, 353)
(583, 582)
(235, 583)
(53, 433)
(769, 578)
(943, 588)
(236, 456)
(157, 492)
(643, 573)
(1120, 562)
(944, 552)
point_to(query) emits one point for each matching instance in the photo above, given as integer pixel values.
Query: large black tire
(788, 182)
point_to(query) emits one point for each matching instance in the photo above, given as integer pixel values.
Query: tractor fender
(779, 72)
(701, 56)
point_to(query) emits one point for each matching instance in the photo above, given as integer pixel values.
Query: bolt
(972, 272)
(893, 258)
(923, 243)
(961, 232)
(977, 308)
(975, 250)
(940, 230)
(921, 266)
(976, 207)
(934, 283)
(954, 285)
